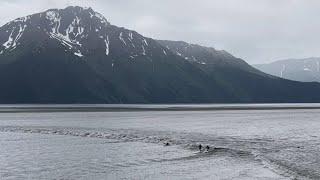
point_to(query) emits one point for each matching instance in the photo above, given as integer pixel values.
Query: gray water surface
(245, 143)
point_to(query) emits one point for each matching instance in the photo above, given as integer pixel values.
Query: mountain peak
(79, 8)
(78, 12)
(70, 26)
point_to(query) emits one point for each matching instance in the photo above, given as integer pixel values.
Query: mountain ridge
(74, 55)
(305, 70)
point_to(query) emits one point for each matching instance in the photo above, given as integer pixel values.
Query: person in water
(167, 144)
(200, 147)
(207, 148)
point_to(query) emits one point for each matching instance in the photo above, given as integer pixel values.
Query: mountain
(306, 70)
(207, 56)
(244, 82)
(74, 55)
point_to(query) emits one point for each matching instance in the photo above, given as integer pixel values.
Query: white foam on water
(246, 144)
(59, 154)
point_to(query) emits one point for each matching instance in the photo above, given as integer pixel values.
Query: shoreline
(138, 108)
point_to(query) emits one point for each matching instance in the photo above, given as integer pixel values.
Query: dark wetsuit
(200, 147)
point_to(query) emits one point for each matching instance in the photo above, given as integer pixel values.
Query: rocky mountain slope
(74, 55)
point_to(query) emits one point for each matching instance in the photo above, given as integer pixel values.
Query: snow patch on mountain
(130, 36)
(78, 54)
(52, 15)
(74, 29)
(16, 33)
(21, 30)
(145, 42)
(121, 38)
(70, 37)
(164, 52)
(282, 70)
(8, 43)
(102, 19)
(14, 37)
(143, 50)
(106, 41)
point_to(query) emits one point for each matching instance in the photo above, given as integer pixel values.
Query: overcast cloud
(255, 30)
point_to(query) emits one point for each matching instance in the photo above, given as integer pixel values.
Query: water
(124, 144)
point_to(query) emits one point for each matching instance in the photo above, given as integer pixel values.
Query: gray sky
(255, 30)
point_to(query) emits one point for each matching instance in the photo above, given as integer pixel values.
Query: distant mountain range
(74, 55)
(306, 70)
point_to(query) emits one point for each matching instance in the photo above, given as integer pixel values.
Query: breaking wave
(253, 149)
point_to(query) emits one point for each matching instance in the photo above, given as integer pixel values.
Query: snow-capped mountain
(306, 70)
(74, 55)
(80, 30)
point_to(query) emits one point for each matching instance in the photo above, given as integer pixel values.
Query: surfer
(167, 144)
(200, 147)
(207, 148)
